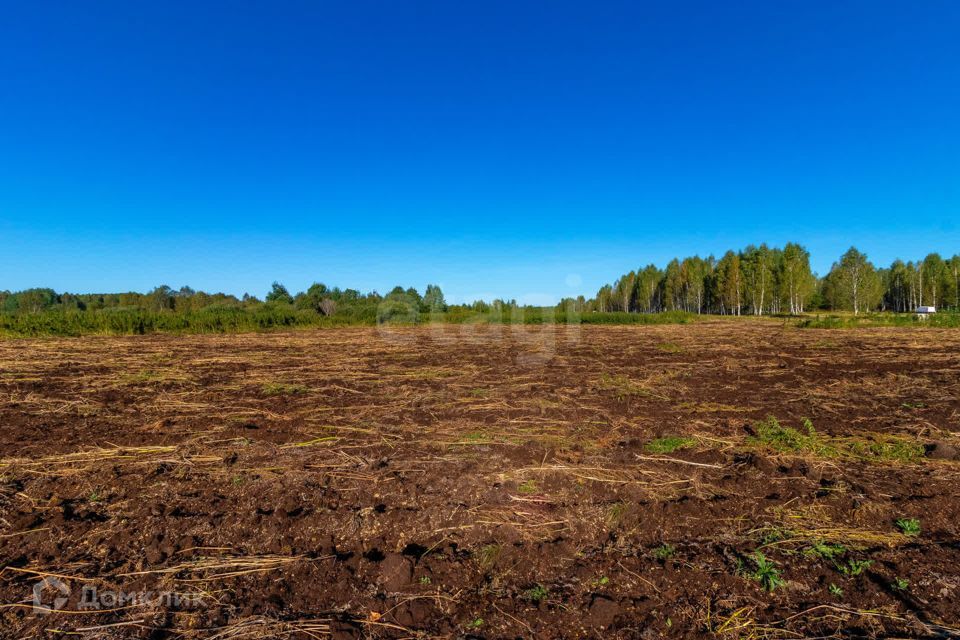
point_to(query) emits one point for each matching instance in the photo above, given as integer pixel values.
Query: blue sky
(515, 149)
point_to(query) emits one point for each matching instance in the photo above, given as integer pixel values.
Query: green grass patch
(283, 389)
(146, 375)
(949, 319)
(528, 487)
(770, 433)
(887, 448)
(234, 317)
(669, 444)
(807, 441)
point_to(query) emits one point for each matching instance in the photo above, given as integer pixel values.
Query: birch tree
(856, 282)
(757, 273)
(797, 277)
(730, 283)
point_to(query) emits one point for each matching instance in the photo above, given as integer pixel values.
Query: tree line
(756, 280)
(279, 307)
(762, 280)
(318, 298)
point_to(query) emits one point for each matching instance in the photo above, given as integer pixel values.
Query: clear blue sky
(498, 148)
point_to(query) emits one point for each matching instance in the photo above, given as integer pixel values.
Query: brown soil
(488, 482)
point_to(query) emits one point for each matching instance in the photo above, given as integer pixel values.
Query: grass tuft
(488, 556)
(669, 444)
(772, 434)
(283, 389)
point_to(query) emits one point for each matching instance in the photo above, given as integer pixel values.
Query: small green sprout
(908, 526)
(664, 552)
(766, 573)
(854, 567)
(536, 593)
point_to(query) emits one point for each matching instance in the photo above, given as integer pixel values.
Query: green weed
(664, 552)
(537, 593)
(825, 550)
(854, 567)
(773, 534)
(766, 572)
(908, 526)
